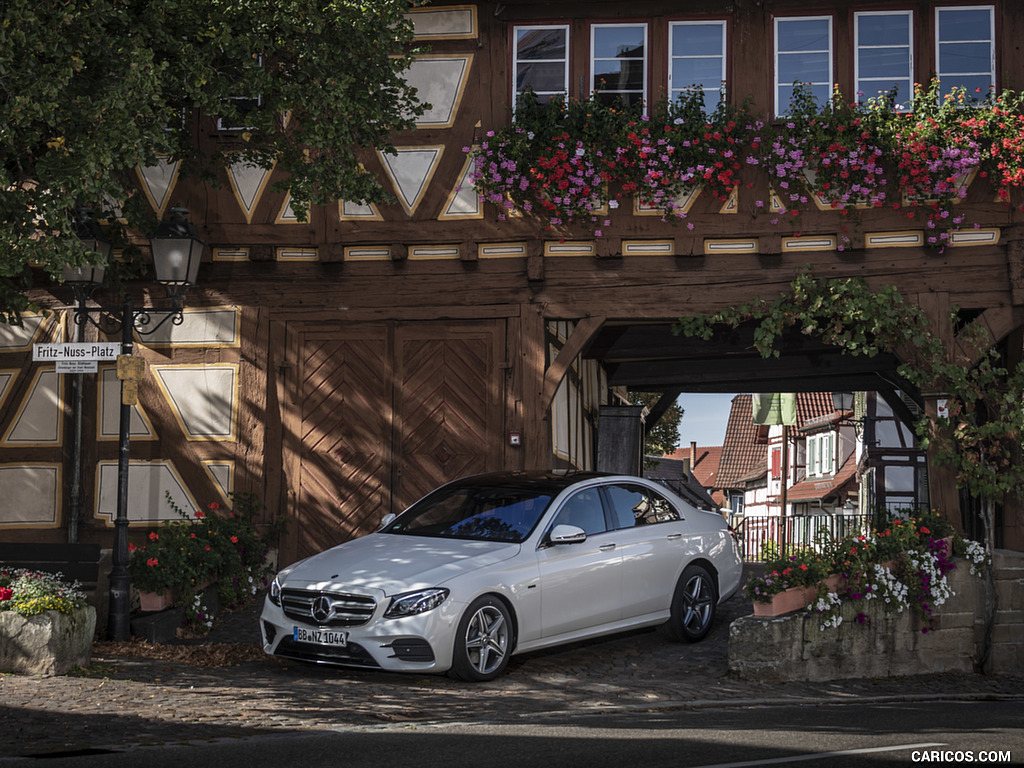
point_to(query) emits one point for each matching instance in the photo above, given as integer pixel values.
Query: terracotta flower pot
(151, 601)
(787, 601)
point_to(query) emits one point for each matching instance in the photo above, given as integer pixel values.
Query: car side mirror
(387, 520)
(567, 534)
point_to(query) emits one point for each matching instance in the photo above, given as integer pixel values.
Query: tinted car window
(490, 513)
(584, 510)
(635, 505)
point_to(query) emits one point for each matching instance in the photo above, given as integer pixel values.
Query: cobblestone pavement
(137, 700)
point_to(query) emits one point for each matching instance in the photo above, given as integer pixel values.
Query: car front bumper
(420, 643)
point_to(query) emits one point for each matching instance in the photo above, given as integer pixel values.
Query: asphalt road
(834, 736)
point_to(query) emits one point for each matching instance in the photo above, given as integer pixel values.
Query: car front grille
(327, 609)
(351, 656)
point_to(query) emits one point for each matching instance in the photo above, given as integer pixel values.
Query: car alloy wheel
(693, 605)
(484, 641)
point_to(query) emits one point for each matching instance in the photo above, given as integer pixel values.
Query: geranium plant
(33, 592)
(214, 545)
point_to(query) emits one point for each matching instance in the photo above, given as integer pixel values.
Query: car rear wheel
(693, 606)
(484, 641)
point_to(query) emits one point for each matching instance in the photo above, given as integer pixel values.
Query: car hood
(395, 563)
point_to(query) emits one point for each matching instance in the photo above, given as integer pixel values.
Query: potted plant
(46, 626)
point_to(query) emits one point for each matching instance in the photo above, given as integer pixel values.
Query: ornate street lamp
(177, 251)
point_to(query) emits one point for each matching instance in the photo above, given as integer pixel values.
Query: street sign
(76, 366)
(101, 351)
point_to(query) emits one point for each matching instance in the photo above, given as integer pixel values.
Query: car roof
(549, 480)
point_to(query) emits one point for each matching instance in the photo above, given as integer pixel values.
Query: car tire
(484, 641)
(694, 605)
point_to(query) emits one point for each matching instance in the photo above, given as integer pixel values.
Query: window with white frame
(618, 63)
(696, 57)
(965, 51)
(819, 454)
(540, 60)
(803, 54)
(884, 56)
(243, 104)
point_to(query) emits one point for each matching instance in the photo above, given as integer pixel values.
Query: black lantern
(89, 232)
(177, 251)
(842, 401)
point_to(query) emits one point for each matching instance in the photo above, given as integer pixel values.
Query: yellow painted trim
(810, 243)
(268, 172)
(27, 346)
(432, 252)
(472, 35)
(58, 502)
(460, 91)
(688, 199)
(464, 180)
(648, 248)
(174, 408)
(230, 254)
(410, 209)
(964, 236)
(501, 250)
(224, 494)
(109, 519)
(570, 248)
(296, 254)
(870, 239)
(374, 213)
(15, 372)
(716, 246)
(100, 437)
(150, 343)
(59, 405)
(367, 253)
(282, 219)
(732, 203)
(175, 173)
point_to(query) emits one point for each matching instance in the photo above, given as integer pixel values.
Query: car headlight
(275, 591)
(412, 603)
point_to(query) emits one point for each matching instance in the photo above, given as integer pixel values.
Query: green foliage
(89, 90)
(663, 439)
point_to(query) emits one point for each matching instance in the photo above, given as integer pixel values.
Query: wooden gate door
(387, 412)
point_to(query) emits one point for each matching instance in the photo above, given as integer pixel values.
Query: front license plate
(320, 636)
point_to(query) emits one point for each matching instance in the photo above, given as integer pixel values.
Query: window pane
(883, 62)
(613, 99)
(803, 35)
(697, 39)
(964, 24)
(618, 42)
(976, 86)
(804, 68)
(705, 72)
(545, 76)
(584, 510)
(965, 57)
(883, 29)
(540, 44)
(618, 75)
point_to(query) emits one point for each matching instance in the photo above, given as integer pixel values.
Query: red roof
(703, 466)
(742, 455)
(812, 489)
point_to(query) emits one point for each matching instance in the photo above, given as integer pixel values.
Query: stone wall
(794, 647)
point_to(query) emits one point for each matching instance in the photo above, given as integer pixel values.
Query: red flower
(207, 547)
(131, 547)
(924, 530)
(153, 536)
(152, 562)
(803, 566)
(213, 505)
(234, 539)
(6, 593)
(200, 514)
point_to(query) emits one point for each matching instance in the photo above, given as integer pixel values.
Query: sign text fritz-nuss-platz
(99, 351)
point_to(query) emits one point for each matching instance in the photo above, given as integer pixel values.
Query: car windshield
(482, 512)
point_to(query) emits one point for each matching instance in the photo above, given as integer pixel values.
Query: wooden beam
(667, 399)
(584, 332)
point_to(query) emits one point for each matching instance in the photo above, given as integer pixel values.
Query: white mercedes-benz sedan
(493, 565)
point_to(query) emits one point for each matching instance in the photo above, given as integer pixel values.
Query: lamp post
(177, 251)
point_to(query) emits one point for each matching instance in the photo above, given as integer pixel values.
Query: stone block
(47, 644)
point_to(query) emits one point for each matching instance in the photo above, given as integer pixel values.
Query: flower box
(48, 643)
(151, 601)
(787, 601)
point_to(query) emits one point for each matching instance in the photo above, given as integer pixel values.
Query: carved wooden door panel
(448, 405)
(344, 433)
(386, 413)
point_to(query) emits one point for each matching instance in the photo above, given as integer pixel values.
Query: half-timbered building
(342, 366)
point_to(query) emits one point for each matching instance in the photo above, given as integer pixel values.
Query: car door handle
(606, 547)
(674, 536)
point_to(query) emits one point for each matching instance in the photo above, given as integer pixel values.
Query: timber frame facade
(341, 367)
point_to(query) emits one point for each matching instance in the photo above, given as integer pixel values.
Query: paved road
(124, 701)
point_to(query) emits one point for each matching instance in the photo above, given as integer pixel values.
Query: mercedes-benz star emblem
(322, 609)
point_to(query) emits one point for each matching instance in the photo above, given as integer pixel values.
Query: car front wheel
(484, 641)
(693, 605)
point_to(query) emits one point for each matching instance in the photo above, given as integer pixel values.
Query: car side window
(584, 510)
(635, 505)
